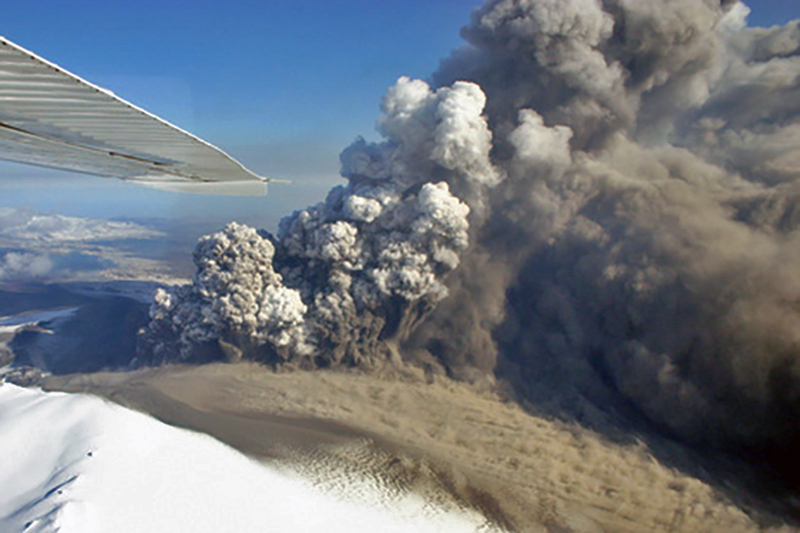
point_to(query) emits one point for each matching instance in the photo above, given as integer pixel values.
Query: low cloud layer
(25, 265)
(27, 225)
(593, 200)
(48, 247)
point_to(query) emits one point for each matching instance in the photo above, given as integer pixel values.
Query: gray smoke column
(597, 199)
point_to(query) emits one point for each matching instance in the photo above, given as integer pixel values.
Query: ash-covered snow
(75, 463)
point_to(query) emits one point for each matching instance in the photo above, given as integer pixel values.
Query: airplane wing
(50, 117)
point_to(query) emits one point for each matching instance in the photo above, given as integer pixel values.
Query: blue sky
(282, 85)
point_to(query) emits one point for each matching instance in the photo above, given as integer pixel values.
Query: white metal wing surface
(50, 117)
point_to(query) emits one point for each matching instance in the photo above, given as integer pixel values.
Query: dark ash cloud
(592, 200)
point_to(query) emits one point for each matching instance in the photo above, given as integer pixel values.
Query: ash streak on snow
(593, 199)
(83, 465)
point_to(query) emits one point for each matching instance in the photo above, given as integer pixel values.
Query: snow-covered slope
(75, 463)
(10, 324)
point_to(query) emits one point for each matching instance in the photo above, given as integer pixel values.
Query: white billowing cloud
(236, 297)
(538, 146)
(341, 267)
(25, 265)
(426, 128)
(462, 140)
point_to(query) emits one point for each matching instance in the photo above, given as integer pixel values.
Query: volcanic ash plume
(600, 200)
(345, 276)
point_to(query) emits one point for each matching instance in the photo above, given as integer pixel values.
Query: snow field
(76, 463)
